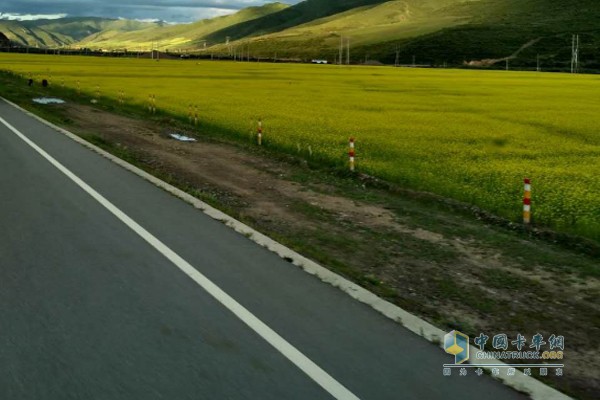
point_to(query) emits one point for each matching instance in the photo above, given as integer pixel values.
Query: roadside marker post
(527, 202)
(97, 92)
(259, 132)
(78, 88)
(190, 114)
(352, 154)
(195, 115)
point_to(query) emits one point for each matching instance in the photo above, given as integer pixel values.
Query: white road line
(316, 373)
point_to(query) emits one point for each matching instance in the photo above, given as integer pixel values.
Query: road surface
(96, 301)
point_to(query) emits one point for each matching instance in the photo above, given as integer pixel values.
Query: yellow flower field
(468, 135)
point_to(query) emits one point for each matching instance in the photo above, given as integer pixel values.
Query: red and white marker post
(352, 154)
(259, 132)
(527, 202)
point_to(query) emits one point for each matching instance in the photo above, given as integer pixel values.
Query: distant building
(316, 61)
(4, 41)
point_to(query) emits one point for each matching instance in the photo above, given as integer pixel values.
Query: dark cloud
(168, 10)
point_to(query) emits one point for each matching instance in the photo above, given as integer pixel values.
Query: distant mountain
(517, 31)
(64, 31)
(303, 12)
(81, 28)
(364, 26)
(22, 34)
(479, 33)
(178, 36)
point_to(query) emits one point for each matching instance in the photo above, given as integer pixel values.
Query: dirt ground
(443, 265)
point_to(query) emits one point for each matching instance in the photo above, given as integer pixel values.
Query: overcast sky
(166, 10)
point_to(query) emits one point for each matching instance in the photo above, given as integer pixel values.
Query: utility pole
(348, 55)
(414, 61)
(538, 63)
(507, 64)
(575, 55)
(397, 61)
(341, 48)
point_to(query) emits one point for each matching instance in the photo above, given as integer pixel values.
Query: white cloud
(164, 10)
(202, 13)
(30, 17)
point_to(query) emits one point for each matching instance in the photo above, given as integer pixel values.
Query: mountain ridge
(429, 32)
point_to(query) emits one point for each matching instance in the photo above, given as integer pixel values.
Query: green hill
(515, 30)
(306, 11)
(178, 36)
(24, 35)
(364, 26)
(479, 33)
(80, 28)
(64, 31)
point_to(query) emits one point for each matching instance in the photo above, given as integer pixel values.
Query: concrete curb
(525, 384)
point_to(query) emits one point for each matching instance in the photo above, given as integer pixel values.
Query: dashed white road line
(316, 373)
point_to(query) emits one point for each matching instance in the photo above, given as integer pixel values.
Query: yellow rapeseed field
(468, 135)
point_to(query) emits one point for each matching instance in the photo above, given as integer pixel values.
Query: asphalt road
(89, 309)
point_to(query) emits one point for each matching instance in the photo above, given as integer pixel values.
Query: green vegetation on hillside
(480, 33)
(497, 29)
(30, 35)
(468, 135)
(303, 12)
(65, 31)
(182, 36)
(364, 26)
(477, 33)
